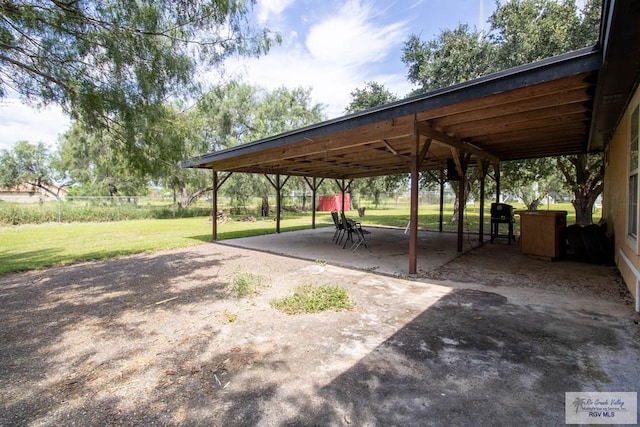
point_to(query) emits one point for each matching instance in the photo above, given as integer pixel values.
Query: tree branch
(34, 70)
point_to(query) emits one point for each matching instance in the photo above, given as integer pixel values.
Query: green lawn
(31, 247)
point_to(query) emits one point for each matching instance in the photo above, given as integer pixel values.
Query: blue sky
(331, 47)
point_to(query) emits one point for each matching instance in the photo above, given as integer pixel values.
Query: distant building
(30, 194)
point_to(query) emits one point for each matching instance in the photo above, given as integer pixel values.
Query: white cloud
(338, 56)
(291, 67)
(330, 85)
(351, 37)
(20, 122)
(267, 8)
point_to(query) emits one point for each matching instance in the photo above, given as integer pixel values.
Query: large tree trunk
(376, 198)
(584, 209)
(264, 211)
(470, 181)
(456, 202)
(584, 174)
(531, 200)
(304, 198)
(184, 199)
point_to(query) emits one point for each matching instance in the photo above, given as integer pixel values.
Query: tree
(113, 64)
(28, 164)
(238, 113)
(528, 179)
(279, 111)
(521, 31)
(372, 95)
(223, 115)
(93, 167)
(530, 30)
(584, 174)
(454, 56)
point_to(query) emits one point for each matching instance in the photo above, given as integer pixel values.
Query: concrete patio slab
(387, 250)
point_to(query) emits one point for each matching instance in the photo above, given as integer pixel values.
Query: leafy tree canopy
(529, 179)
(238, 113)
(227, 115)
(527, 30)
(372, 95)
(28, 164)
(454, 56)
(89, 161)
(113, 64)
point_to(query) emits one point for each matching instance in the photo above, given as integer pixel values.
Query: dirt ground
(490, 338)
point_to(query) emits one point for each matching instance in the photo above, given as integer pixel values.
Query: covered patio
(535, 110)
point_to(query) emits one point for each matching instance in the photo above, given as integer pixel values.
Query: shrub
(245, 284)
(90, 211)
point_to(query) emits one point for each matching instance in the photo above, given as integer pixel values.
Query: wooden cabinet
(541, 233)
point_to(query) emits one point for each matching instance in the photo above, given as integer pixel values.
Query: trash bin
(361, 212)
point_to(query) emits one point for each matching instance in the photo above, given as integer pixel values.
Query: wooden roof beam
(441, 137)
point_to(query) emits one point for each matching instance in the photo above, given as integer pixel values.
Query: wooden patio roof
(536, 110)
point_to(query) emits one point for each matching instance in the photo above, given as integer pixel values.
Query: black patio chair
(353, 228)
(361, 235)
(339, 227)
(347, 230)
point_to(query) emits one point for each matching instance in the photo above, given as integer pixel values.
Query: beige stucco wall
(614, 209)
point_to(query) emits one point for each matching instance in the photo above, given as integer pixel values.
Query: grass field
(31, 247)
(43, 245)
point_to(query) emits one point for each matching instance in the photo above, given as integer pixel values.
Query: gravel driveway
(158, 339)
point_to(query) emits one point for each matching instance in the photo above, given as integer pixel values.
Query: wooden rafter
(389, 147)
(443, 138)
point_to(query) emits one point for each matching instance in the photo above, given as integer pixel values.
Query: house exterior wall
(616, 201)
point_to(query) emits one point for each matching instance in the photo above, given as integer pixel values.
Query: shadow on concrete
(475, 359)
(36, 313)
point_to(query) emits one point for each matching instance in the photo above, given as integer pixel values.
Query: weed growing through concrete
(231, 317)
(308, 298)
(245, 284)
